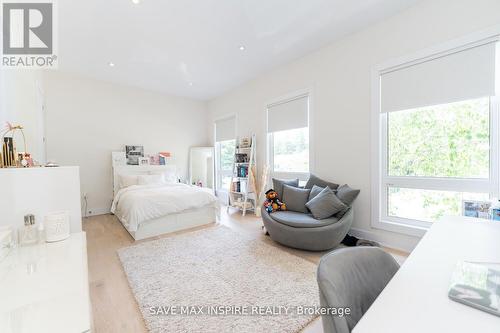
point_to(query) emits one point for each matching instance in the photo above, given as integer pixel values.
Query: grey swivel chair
(353, 278)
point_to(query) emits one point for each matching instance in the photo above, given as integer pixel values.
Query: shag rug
(217, 280)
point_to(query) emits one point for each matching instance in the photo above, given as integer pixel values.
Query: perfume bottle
(28, 234)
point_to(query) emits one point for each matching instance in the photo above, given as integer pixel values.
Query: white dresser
(44, 288)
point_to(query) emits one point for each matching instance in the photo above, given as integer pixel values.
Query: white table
(416, 299)
(44, 288)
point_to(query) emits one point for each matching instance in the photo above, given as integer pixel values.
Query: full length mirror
(201, 166)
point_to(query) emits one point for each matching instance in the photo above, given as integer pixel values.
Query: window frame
(302, 176)
(381, 180)
(219, 172)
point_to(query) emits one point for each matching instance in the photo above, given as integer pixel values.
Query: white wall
(21, 103)
(39, 191)
(86, 120)
(339, 75)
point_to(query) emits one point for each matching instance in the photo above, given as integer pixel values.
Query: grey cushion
(295, 198)
(325, 204)
(347, 195)
(315, 191)
(300, 220)
(278, 185)
(313, 180)
(353, 278)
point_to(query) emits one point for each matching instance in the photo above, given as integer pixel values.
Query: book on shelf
(242, 171)
(239, 186)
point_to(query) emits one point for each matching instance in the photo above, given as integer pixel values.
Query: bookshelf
(241, 194)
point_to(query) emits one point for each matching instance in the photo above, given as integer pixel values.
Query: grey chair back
(353, 278)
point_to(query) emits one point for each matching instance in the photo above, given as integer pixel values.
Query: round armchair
(302, 231)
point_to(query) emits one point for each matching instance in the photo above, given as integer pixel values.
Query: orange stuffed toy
(273, 203)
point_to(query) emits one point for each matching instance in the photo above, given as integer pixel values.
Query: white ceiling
(191, 47)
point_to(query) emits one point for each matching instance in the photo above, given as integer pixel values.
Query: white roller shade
(288, 115)
(225, 129)
(455, 77)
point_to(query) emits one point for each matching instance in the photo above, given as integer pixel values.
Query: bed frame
(167, 224)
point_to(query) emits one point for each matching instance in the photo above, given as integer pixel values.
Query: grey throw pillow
(295, 198)
(313, 180)
(347, 194)
(315, 191)
(278, 185)
(325, 204)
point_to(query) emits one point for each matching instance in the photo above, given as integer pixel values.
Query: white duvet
(136, 204)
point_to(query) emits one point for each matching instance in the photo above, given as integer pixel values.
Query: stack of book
(239, 186)
(242, 171)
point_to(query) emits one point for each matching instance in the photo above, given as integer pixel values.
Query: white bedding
(136, 204)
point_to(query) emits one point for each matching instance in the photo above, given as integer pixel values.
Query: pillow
(325, 204)
(278, 185)
(347, 195)
(315, 191)
(295, 198)
(313, 180)
(150, 179)
(127, 180)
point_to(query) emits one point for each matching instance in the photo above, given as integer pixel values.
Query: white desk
(416, 299)
(44, 288)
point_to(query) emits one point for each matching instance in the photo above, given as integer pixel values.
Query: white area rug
(219, 267)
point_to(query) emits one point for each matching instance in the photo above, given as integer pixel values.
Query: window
(291, 150)
(225, 143)
(288, 138)
(225, 155)
(436, 137)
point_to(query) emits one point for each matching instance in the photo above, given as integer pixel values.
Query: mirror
(201, 166)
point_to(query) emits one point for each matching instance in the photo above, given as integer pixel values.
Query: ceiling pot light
(111, 64)
(136, 2)
(242, 48)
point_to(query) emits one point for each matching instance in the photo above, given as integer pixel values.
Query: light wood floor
(113, 305)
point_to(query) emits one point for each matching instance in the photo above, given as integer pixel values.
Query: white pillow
(127, 180)
(168, 176)
(150, 179)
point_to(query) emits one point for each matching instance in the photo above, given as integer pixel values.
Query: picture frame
(476, 208)
(143, 160)
(133, 153)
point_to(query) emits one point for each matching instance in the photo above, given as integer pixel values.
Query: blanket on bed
(136, 204)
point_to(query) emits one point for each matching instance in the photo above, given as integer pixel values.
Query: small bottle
(41, 233)
(28, 234)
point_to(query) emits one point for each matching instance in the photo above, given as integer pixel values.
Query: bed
(149, 201)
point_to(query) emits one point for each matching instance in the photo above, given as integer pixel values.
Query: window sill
(400, 228)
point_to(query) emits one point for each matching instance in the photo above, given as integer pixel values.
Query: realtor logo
(28, 34)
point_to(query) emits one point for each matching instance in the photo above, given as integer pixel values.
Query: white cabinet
(44, 288)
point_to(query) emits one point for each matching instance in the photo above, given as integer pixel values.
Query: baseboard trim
(366, 234)
(97, 211)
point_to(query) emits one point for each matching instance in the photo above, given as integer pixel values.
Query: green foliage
(451, 140)
(227, 154)
(291, 150)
